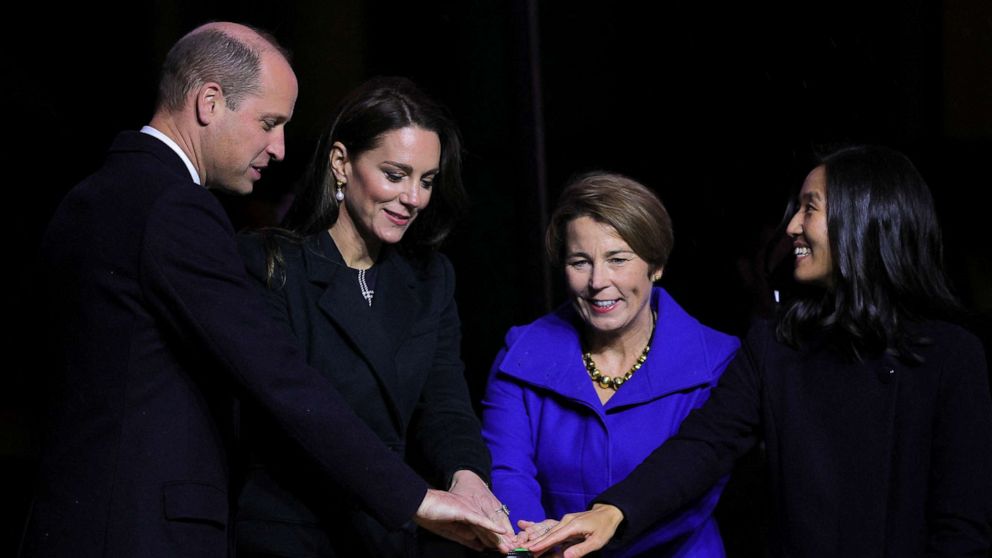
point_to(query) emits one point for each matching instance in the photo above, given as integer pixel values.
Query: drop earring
(339, 191)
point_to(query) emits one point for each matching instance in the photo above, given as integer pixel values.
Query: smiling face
(808, 230)
(241, 143)
(385, 187)
(609, 284)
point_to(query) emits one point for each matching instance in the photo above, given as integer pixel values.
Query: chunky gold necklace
(614, 383)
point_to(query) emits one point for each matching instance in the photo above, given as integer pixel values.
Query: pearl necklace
(614, 383)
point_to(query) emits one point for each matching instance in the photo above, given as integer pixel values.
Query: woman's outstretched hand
(589, 531)
(470, 486)
(459, 519)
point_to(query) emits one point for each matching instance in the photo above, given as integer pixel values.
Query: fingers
(504, 522)
(509, 541)
(475, 518)
(556, 535)
(591, 529)
(491, 540)
(461, 509)
(471, 505)
(450, 517)
(495, 519)
(469, 486)
(500, 515)
(506, 545)
(533, 530)
(569, 529)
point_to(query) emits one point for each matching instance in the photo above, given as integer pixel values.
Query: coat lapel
(679, 358)
(549, 357)
(377, 332)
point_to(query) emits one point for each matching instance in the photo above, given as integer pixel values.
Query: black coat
(158, 328)
(870, 459)
(397, 363)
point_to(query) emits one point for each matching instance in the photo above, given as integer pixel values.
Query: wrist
(613, 513)
(465, 476)
(615, 519)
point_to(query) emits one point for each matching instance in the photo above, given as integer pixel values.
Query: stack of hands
(577, 534)
(469, 514)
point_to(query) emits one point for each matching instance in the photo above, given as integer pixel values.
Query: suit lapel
(396, 303)
(375, 333)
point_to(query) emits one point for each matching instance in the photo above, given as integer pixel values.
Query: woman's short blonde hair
(633, 210)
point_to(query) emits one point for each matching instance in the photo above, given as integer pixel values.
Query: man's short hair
(211, 55)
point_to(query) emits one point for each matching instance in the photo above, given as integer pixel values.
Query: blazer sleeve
(448, 430)
(507, 430)
(195, 282)
(687, 520)
(705, 448)
(252, 247)
(960, 502)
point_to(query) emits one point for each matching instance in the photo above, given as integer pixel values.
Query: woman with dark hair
(356, 278)
(579, 397)
(873, 407)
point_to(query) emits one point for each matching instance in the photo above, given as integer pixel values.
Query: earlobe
(338, 160)
(656, 275)
(209, 102)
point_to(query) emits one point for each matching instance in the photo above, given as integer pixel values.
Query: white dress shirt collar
(175, 147)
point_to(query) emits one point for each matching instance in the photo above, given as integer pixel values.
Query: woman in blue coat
(581, 396)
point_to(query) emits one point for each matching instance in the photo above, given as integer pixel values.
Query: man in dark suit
(158, 330)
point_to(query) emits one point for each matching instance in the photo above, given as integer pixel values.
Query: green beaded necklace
(614, 383)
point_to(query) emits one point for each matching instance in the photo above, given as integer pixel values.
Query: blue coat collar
(547, 354)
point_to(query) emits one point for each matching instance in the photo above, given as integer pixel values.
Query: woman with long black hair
(873, 405)
(356, 277)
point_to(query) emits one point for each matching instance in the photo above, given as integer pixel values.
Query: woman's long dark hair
(887, 255)
(377, 107)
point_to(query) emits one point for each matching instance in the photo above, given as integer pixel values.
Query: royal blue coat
(555, 446)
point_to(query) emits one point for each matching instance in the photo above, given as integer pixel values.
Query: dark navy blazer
(397, 363)
(157, 328)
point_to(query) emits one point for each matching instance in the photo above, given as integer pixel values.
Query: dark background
(719, 108)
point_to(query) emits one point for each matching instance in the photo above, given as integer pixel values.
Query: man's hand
(454, 517)
(592, 529)
(467, 484)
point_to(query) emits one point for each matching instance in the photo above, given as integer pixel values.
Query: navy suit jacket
(158, 328)
(397, 363)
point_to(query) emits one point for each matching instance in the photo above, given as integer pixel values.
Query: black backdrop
(717, 107)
